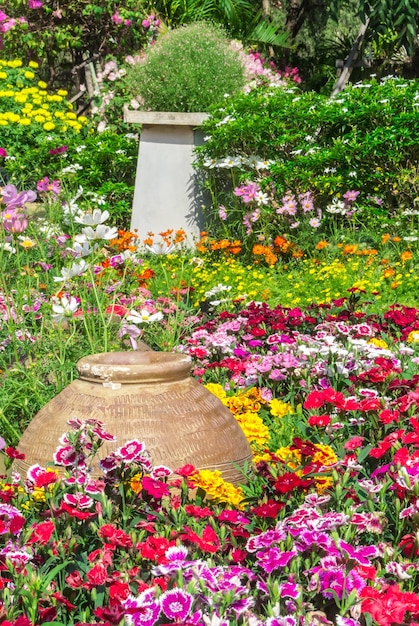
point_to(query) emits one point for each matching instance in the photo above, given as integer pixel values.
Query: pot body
(149, 396)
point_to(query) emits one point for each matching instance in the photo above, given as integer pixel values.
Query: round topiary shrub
(187, 69)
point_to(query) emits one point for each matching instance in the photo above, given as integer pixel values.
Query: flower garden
(299, 308)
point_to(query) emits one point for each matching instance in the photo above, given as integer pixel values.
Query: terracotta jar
(149, 396)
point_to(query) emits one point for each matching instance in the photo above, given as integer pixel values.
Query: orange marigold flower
(321, 245)
(385, 238)
(396, 239)
(406, 255)
(389, 272)
(350, 248)
(298, 254)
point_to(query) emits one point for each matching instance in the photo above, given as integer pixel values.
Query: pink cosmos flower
(45, 185)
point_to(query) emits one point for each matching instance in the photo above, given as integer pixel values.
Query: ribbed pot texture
(149, 396)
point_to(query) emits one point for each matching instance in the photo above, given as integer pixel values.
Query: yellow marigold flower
(49, 126)
(25, 121)
(325, 455)
(33, 64)
(3, 75)
(29, 75)
(253, 427)
(257, 458)
(39, 118)
(83, 120)
(217, 390)
(379, 343)
(62, 92)
(3, 122)
(217, 488)
(413, 336)
(71, 116)
(279, 408)
(42, 84)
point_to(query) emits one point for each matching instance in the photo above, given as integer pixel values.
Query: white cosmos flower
(8, 247)
(101, 232)
(83, 249)
(143, 317)
(92, 219)
(65, 309)
(77, 269)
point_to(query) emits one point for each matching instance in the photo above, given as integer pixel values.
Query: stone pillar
(166, 194)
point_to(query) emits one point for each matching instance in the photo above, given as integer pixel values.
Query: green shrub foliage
(188, 69)
(365, 139)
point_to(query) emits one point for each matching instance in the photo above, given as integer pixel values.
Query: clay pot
(149, 396)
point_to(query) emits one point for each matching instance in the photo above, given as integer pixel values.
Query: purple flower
(14, 200)
(176, 604)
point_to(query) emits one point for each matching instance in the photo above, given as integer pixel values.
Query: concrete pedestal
(166, 193)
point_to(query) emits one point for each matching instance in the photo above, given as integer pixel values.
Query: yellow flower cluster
(217, 488)
(413, 336)
(280, 409)
(245, 407)
(24, 101)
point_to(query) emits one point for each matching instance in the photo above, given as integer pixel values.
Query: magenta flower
(274, 558)
(176, 604)
(59, 150)
(360, 554)
(34, 4)
(3, 152)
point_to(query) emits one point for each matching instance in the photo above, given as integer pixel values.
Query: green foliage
(61, 35)
(365, 140)
(188, 69)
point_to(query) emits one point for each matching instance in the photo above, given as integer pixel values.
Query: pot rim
(134, 367)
